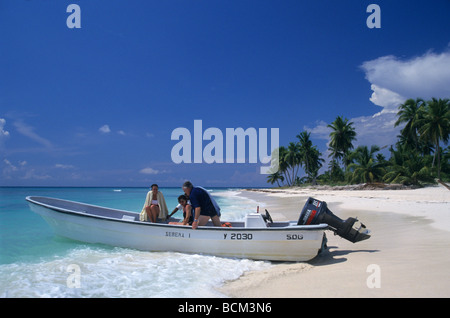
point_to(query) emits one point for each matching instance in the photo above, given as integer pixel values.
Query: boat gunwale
(30, 199)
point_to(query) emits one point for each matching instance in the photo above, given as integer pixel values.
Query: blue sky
(96, 106)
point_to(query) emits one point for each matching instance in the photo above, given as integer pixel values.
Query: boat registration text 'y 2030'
(238, 236)
(249, 236)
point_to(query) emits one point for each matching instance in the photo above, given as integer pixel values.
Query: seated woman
(185, 204)
(155, 206)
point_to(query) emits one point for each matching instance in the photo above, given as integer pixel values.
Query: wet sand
(408, 254)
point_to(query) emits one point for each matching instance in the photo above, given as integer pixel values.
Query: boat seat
(254, 220)
(128, 218)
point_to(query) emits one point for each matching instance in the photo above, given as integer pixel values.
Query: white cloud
(376, 130)
(104, 129)
(21, 171)
(28, 131)
(394, 80)
(320, 131)
(32, 175)
(3, 132)
(149, 171)
(9, 165)
(386, 98)
(63, 166)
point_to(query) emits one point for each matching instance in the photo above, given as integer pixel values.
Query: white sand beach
(408, 254)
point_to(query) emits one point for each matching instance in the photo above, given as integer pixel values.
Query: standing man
(204, 207)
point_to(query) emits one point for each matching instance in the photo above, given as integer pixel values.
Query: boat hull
(123, 229)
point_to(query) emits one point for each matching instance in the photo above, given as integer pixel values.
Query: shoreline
(409, 250)
(405, 201)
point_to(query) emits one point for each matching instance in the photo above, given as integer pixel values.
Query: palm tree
(275, 177)
(283, 165)
(314, 164)
(306, 149)
(367, 169)
(407, 167)
(335, 172)
(446, 163)
(293, 159)
(342, 136)
(411, 112)
(435, 126)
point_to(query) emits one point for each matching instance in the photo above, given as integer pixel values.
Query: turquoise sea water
(36, 263)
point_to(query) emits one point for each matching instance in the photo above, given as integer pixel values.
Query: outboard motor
(316, 212)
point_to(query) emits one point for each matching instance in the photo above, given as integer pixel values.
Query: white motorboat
(257, 237)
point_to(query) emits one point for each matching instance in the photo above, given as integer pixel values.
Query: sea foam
(119, 272)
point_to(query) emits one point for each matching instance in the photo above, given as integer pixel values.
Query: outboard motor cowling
(316, 212)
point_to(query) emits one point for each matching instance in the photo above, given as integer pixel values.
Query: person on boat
(155, 206)
(203, 205)
(185, 205)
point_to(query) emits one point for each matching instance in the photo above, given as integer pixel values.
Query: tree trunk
(438, 160)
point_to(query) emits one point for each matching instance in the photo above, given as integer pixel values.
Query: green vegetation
(417, 158)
